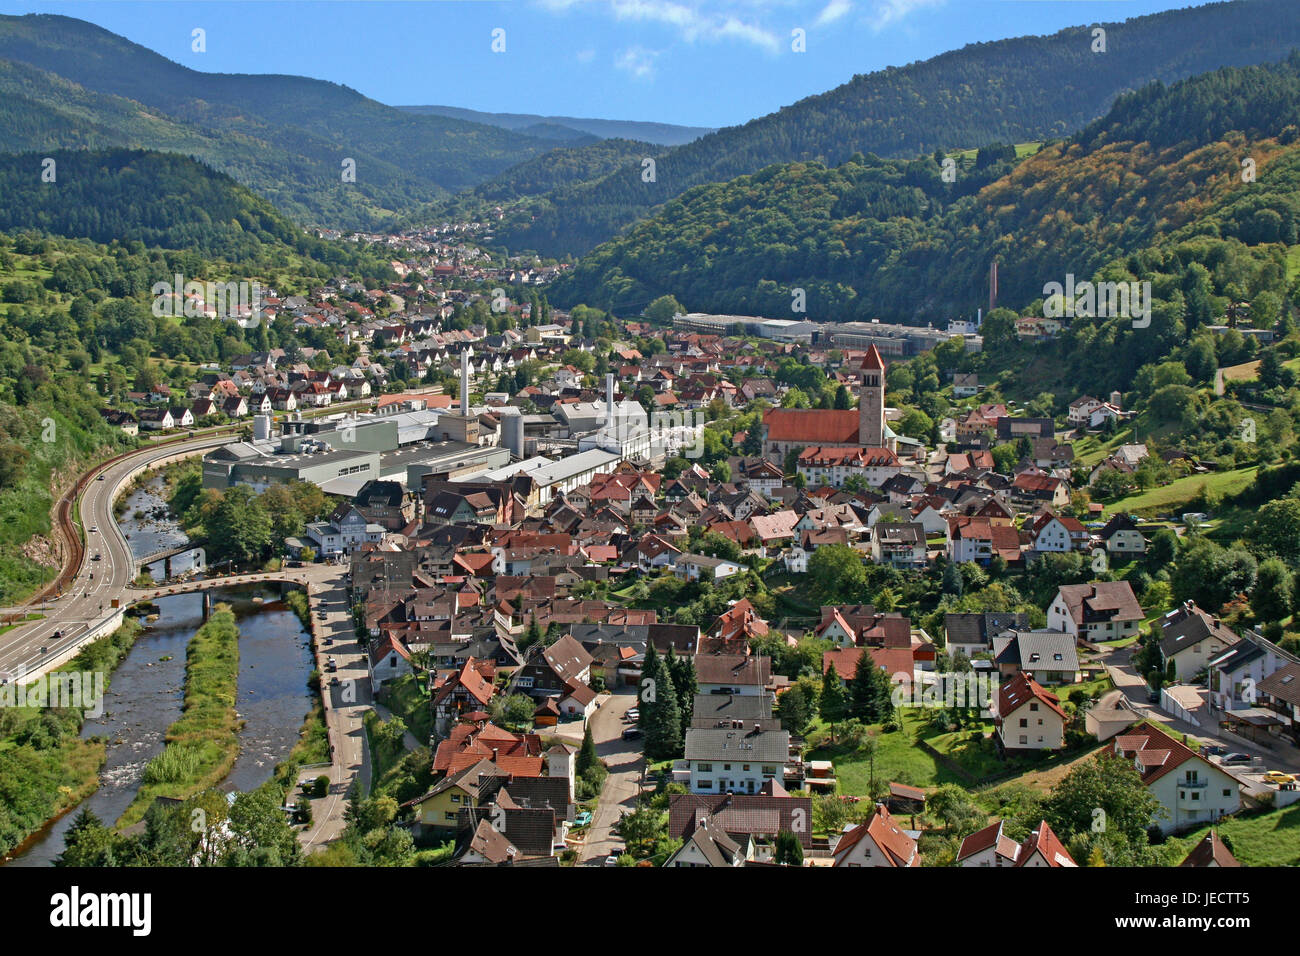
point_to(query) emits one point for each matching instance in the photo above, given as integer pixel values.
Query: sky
(691, 62)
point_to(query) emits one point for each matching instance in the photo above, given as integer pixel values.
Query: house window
(1024, 739)
(1024, 722)
(1033, 707)
(706, 768)
(706, 784)
(1227, 792)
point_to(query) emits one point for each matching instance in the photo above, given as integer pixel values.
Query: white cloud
(638, 61)
(693, 20)
(835, 10)
(889, 12)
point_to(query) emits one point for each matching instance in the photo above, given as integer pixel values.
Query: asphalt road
(625, 762)
(88, 599)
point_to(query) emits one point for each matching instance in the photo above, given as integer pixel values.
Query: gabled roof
(1021, 690)
(1211, 851)
(989, 836)
(898, 847)
(1045, 842)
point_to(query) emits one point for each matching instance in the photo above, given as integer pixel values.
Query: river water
(146, 690)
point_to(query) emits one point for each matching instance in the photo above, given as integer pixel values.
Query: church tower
(871, 403)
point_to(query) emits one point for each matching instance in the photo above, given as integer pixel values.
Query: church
(787, 429)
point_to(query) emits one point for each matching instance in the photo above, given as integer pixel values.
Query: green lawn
(1183, 490)
(1269, 838)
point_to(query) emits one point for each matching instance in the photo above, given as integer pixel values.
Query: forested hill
(160, 199)
(888, 239)
(561, 167)
(284, 136)
(1020, 90)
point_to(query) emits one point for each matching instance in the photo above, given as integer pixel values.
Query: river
(145, 692)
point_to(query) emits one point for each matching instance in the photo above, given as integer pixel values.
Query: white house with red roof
(1029, 717)
(992, 847)
(1191, 790)
(878, 842)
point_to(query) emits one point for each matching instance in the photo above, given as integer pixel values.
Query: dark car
(1234, 759)
(633, 733)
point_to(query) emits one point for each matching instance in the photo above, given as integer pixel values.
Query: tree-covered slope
(160, 199)
(1019, 90)
(288, 135)
(889, 239)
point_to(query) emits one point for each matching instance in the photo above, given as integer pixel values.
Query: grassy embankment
(46, 768)
(203, 743)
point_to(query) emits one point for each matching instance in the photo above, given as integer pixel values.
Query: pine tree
(884, 696)
(586, 753)
(833, 705)
(687, 686)
(647, 694)
(663, 736)
(788, 851)
(862, 689)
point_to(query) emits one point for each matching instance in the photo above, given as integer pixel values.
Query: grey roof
(764, 746)
(1041, 651)
(1188, 625)
(711, 709)
(976, 628)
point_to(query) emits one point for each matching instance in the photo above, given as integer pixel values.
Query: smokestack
(609, 401)
(464, 382)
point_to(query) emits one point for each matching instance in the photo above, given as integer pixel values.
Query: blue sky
(695, 62)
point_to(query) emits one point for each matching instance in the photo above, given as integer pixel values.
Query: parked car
(331, 665)
(632, 716)
(633, 733)
(334, 681)
(1278, 777)
(1213, 750)
(582, 819)
(612, 859)
(1236, 759)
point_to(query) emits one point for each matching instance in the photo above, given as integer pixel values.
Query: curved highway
(88, 598)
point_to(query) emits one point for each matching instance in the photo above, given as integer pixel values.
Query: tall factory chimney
(609, 401)
(464, 382)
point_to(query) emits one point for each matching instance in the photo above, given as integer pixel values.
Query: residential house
(1100, 611)
(1191, 790)
(1191, 638)
(992, 847)
(878, 842)
(1028, 717)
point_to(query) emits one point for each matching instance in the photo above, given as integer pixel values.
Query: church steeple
(871, 402)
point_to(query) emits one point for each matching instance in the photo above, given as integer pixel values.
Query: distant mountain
(889, 239)
(535, 177)
(285, 136)
(1020, 90)
(160, 199)
(661, 134)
